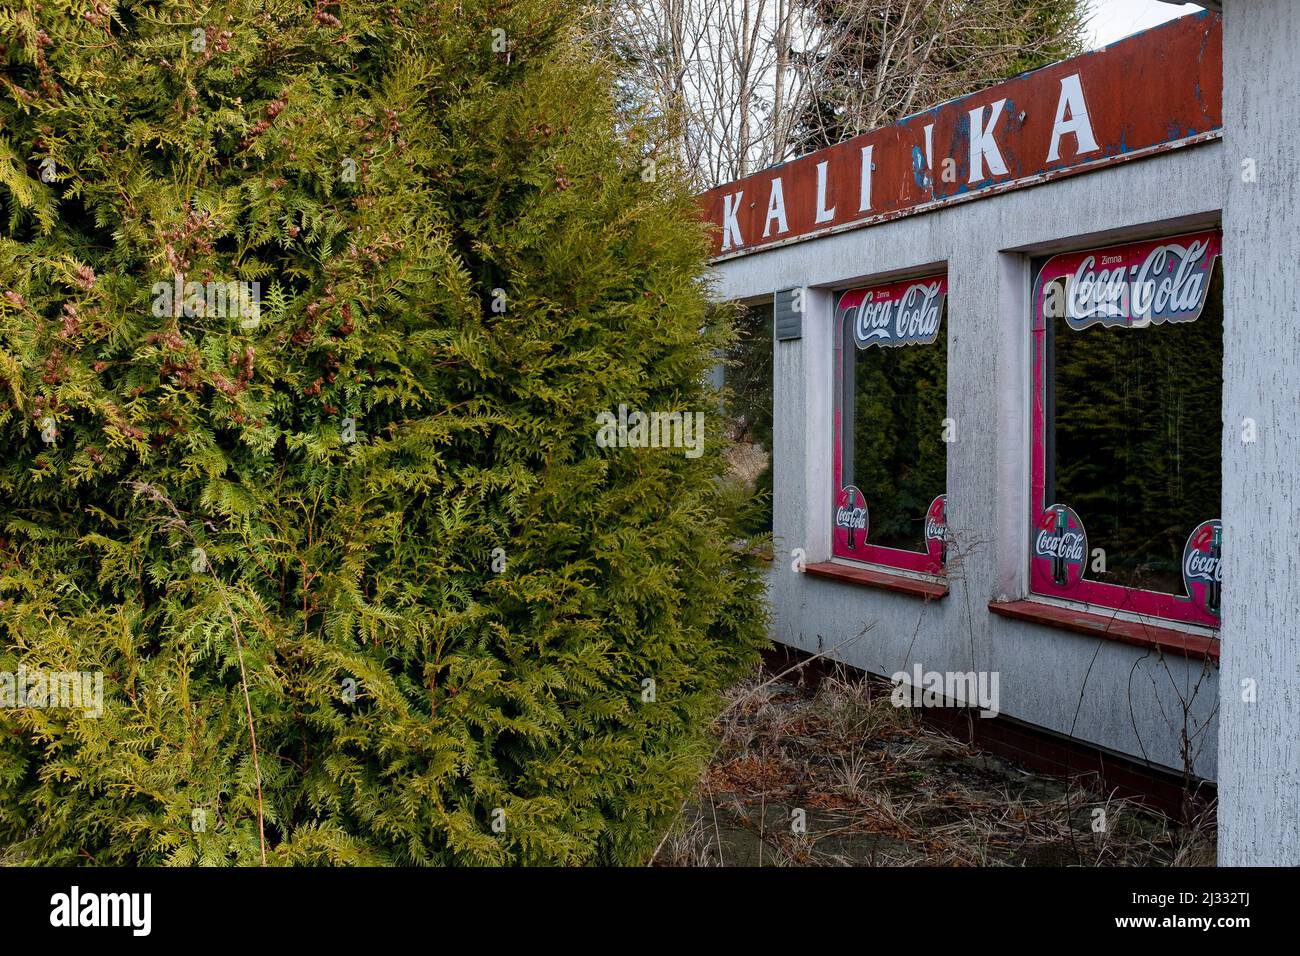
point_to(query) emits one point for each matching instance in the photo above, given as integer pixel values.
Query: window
(891, 362)
(1127, 366)
(749, 412)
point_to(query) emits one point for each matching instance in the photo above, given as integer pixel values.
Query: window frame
(924, 564)
(1178, 609)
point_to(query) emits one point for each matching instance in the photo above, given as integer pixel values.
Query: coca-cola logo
(1060, 547)
(900, 313)
(1203, 567)
(851, 518)
(1133, 285)
(1067, 545)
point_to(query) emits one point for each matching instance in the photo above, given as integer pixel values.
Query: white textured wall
(1111, 694)
(1259, 742)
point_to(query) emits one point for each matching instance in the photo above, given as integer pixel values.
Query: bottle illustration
(943, 541)
(1212, 590)
(853, 528)
(1060, 525)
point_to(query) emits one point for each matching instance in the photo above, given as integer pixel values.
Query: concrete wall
(1259, 740)
(1121, 697)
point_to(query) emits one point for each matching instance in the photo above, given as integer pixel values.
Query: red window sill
(1194, 646)
(877, 579)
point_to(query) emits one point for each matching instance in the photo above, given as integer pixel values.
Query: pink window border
(1171, 607)
(920, 562)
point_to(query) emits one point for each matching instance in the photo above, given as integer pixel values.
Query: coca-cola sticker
(896, 313)
(1060, 550)
(851, 519)
(936, 531)
(1130, 286)
(1203, 566)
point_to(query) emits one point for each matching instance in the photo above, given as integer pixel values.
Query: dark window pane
(749, 384)
(1137, 439)
(895, 400)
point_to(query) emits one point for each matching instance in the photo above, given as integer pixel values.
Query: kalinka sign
(899, 313)
(1148, 93)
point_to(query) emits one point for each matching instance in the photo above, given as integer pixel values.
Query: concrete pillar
(801, 453)
(1259, 704)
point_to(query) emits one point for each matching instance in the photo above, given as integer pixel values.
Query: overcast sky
(1115, 19)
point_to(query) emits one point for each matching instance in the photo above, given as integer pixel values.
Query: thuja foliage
(374, 515)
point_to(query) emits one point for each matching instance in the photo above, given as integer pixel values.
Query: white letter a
(1078, 123)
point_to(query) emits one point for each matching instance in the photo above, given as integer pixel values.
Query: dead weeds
(839, 776)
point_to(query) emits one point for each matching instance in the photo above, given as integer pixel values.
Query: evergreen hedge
(373, 515)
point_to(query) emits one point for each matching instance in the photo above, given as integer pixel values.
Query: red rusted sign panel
(1160, 89)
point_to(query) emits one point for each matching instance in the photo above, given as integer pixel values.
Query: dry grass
(872, 786)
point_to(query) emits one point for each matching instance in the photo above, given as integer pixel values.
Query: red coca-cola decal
(851, 522)
(936, 531)
(1060, 550)
(896, 313)
(1130, 286)
(1203, 566)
